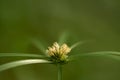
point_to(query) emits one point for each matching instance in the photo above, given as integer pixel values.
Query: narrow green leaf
(114, 57)
(111, 54)
(39, 45)
(20, 55)
(21, 63)
(76, 44)
(100, 53)
(63, 37)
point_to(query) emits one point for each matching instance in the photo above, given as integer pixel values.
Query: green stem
(59, 72)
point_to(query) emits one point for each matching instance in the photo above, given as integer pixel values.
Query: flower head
(58, 53)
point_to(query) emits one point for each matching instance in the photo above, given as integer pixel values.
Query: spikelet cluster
(58, 52)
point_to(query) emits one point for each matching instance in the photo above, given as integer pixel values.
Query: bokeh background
(95, 21)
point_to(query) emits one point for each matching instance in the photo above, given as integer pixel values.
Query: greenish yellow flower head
(58, 53)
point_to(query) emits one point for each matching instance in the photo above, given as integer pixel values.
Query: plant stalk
(59, 71)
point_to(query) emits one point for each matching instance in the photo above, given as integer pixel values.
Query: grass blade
(39, 45)
(20, 55)
(114, 57)
(101, 53)
(111, 54)
(63, 37)
(76, 44)
(21, 63)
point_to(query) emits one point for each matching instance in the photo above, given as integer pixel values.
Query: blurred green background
(94, 21)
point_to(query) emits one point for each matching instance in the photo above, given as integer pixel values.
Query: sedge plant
(56, 54)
